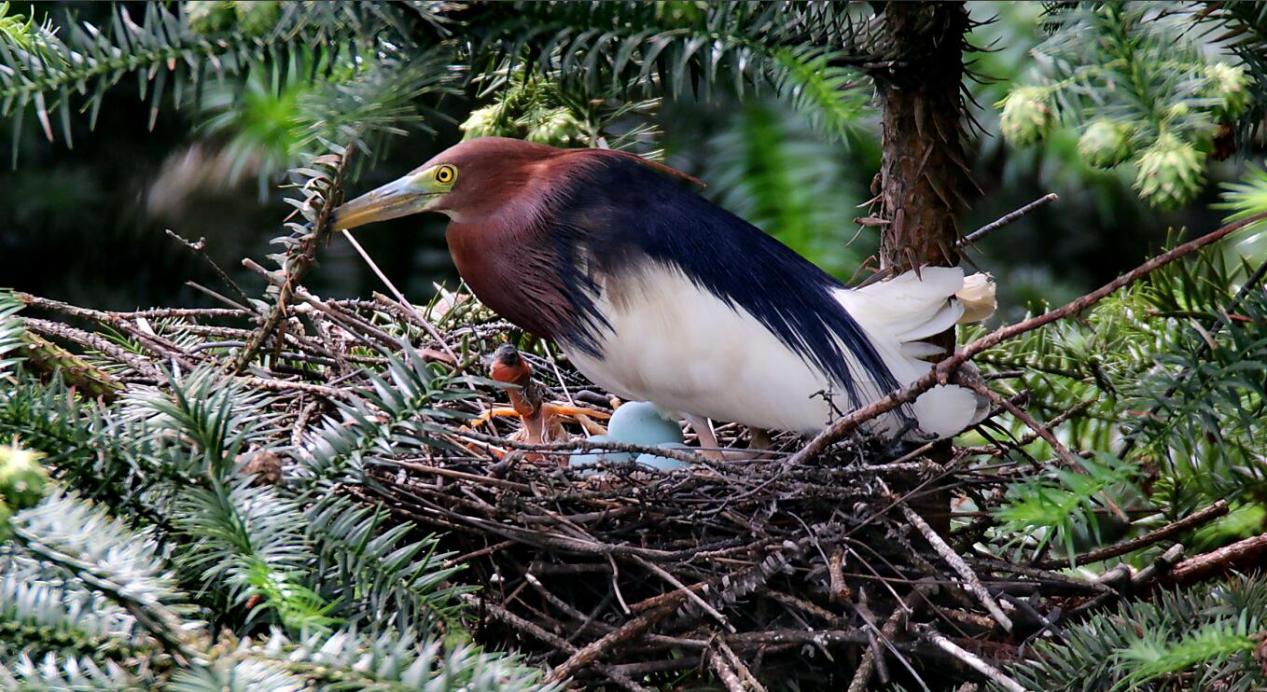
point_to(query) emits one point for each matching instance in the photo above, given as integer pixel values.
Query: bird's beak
(408, 195)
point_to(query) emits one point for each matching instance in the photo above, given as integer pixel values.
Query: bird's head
(468, 178)
(476, 178)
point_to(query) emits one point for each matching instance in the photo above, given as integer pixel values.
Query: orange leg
(567, 410)
(490, 414)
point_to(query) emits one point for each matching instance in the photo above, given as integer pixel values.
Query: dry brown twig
(299, 259)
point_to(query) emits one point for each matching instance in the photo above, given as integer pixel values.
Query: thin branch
(200, 248)
(596, 649)
(696, 598)
(421, 320)
(966, 240)
(1241, 554)
(509, 618)
(1188, 523)
(298, 260)
(970, 578)
(1005, 220)
(972, 660)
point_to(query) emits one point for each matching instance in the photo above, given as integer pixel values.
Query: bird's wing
(620, 215)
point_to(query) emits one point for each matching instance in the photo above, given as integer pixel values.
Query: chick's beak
(402, 197)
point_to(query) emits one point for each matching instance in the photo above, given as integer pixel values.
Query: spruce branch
(108, 558)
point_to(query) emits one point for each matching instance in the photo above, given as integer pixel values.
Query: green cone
(1026, 116)
(22, 479)
(1105, 143)
(1170, 172)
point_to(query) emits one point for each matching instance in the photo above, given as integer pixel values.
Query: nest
(834, 570)
(844, 562)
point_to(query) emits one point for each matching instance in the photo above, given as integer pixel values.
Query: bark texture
(924, 179)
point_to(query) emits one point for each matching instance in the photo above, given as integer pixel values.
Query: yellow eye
(446, 174)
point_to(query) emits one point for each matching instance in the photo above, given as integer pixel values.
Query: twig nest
(641, 423)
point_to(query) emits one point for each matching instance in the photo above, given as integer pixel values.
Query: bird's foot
(490, 414)
(709, 448)
(585, 417)
(759, 442)
(574, 411)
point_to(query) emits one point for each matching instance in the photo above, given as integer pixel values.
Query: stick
(727, 675)
(1201, 567)
(557, 642)
(1005, 220)
(92, 341)
(677, 584)
(940, 373)
(969, 577)
(200, 248)
(435, 334)
(753, 683)
(1191, 521)
(862, 676)
(298, 260)
(1066, 456)
(968, 239)
(119, 320)
(973, 661)
(592, 651)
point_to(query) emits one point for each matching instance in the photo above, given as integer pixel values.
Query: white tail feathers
(945, 410)
(900, 312)
(977, 298)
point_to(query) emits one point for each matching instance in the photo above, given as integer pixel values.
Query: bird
(532, 402)
(657, 294)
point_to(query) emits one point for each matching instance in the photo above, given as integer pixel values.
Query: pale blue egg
(597, 456)
(660, 463)
(640, 422)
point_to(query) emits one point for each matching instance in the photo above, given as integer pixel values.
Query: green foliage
(50, 72)
(186, 573)
(374, 573)
(22, 478)
(1204, 399)
(1143, 84)
(1242, 200)
(395, 415)
(1243, 31)
(770, 169)
(1059, 504)
(10, 332)
(245, 542)
(1194, 639)
(1170, 371)
(538, 110)
(639, 48)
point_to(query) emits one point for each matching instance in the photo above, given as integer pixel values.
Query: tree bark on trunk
(925, 181)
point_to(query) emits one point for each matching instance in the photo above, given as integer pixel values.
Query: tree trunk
(924, 177)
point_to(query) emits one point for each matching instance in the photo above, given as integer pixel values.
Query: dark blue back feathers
(617, 213)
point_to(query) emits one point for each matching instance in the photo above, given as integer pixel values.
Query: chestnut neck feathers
(551, 227)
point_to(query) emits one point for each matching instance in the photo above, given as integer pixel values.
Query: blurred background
(84, 221)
